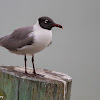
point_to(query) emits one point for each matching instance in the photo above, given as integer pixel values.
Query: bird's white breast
(42, 39)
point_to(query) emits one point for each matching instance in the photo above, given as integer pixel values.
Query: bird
(30, 40)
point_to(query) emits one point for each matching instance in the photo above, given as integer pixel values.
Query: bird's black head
(48, 23)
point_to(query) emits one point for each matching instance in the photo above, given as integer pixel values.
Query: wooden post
(49, 85)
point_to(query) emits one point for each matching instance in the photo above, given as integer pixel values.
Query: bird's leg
(33, 64)
(25, 59)
(34, 72)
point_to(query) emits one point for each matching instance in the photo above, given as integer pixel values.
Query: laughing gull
(30, 39)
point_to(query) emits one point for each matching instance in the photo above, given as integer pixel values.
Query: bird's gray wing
(18, 39)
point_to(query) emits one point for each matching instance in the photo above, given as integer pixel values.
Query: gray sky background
(75, 50)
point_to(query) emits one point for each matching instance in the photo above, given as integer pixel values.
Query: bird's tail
(0, 40)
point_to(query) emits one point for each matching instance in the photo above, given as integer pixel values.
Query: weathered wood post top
(49, 85)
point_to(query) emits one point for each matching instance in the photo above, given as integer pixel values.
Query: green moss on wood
(14, 87)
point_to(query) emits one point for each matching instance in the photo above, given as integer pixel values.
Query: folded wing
(18, 39)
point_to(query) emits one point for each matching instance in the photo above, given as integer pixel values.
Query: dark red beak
(57, 25)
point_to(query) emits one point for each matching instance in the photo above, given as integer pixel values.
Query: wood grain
(48, 85)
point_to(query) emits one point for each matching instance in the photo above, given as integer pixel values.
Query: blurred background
(75, 50)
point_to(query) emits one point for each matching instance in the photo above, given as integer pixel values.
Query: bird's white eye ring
(46, 21)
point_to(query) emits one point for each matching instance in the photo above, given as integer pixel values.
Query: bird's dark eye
(46, 21)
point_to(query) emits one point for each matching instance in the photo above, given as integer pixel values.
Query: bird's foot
(33, 74)
(26, 72)
(38, 75)
(30, 75)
